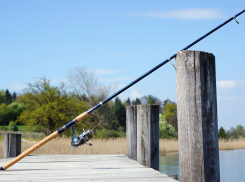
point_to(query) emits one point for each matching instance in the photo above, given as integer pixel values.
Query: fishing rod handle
(82, 116)
(30, 150)
(45, 140)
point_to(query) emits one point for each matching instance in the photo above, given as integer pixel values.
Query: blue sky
(121, 40)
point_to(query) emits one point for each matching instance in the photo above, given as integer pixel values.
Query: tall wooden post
(197, 116)
(148, 135)
(12, 145)
(131, 131)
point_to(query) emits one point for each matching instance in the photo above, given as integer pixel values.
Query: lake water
(232, 165)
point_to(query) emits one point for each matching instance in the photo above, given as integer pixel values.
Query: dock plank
(51, 168)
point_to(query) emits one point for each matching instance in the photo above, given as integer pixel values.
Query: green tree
(48, 107)
(166, 102)
(119, 114)
(14, 109)
(170, 113)
(3, 114)
(10, 112)
(222, 133)
(13, 126)
(8, 97)
(238, 132)
(2, 97)
(150, 99)
(14, 96)
(136, 102)
(166, 130)
(127, 102)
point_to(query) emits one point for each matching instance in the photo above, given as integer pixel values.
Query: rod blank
(85, 114)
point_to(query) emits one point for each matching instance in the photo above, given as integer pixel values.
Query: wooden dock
(80, 168)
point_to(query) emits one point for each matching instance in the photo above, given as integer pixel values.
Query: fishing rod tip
(1, 168)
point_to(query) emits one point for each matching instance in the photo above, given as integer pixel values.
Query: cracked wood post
(12, 145)
(197, 116)
(148, 135)
(131, 129)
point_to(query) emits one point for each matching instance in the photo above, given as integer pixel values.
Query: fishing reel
(81, 139)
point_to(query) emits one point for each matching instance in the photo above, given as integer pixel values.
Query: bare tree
(150, 99)
(84, 83)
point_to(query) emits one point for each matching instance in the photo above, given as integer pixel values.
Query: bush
(4, 128)
(166, 130)
(13, 126)
(106, 134)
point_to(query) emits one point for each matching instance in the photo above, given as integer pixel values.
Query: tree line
(49, 107)
(233, 133)
(9, 108)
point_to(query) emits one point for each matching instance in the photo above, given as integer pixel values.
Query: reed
(168, 145)
(61, 145)
(232, 144)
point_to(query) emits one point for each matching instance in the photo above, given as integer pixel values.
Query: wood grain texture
(12, 145)
(197, 116)
(148, 135)
(82, 116)
(30, 150)
(63, 168)
(131, 131)
(6, 146)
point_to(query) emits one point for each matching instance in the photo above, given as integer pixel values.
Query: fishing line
(140, 88)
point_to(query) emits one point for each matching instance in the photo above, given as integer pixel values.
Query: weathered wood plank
(197, 116)
(12, 144)
(148, 135)
(80, 168)
(131, 129)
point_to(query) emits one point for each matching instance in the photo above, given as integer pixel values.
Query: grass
(20, 128)
(103, 134)
(110, 146)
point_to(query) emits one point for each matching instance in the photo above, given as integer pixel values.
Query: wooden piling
(197, 116)
(12, 145)
(131, 131)
(148, 135)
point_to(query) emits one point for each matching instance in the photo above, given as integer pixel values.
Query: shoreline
(219, 150)
(112, 146)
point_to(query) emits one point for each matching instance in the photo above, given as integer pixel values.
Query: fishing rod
(88, 134)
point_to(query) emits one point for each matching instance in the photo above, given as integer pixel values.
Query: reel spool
(81, 139)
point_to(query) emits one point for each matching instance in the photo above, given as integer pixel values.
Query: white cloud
(241, 84)
(101, 71)
(17, 86)
(226, 84)
(187, 14)
(135, 94)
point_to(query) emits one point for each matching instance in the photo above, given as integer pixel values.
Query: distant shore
(112, 146)
(167, 146)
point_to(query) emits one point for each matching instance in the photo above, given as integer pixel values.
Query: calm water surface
(232, 165)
